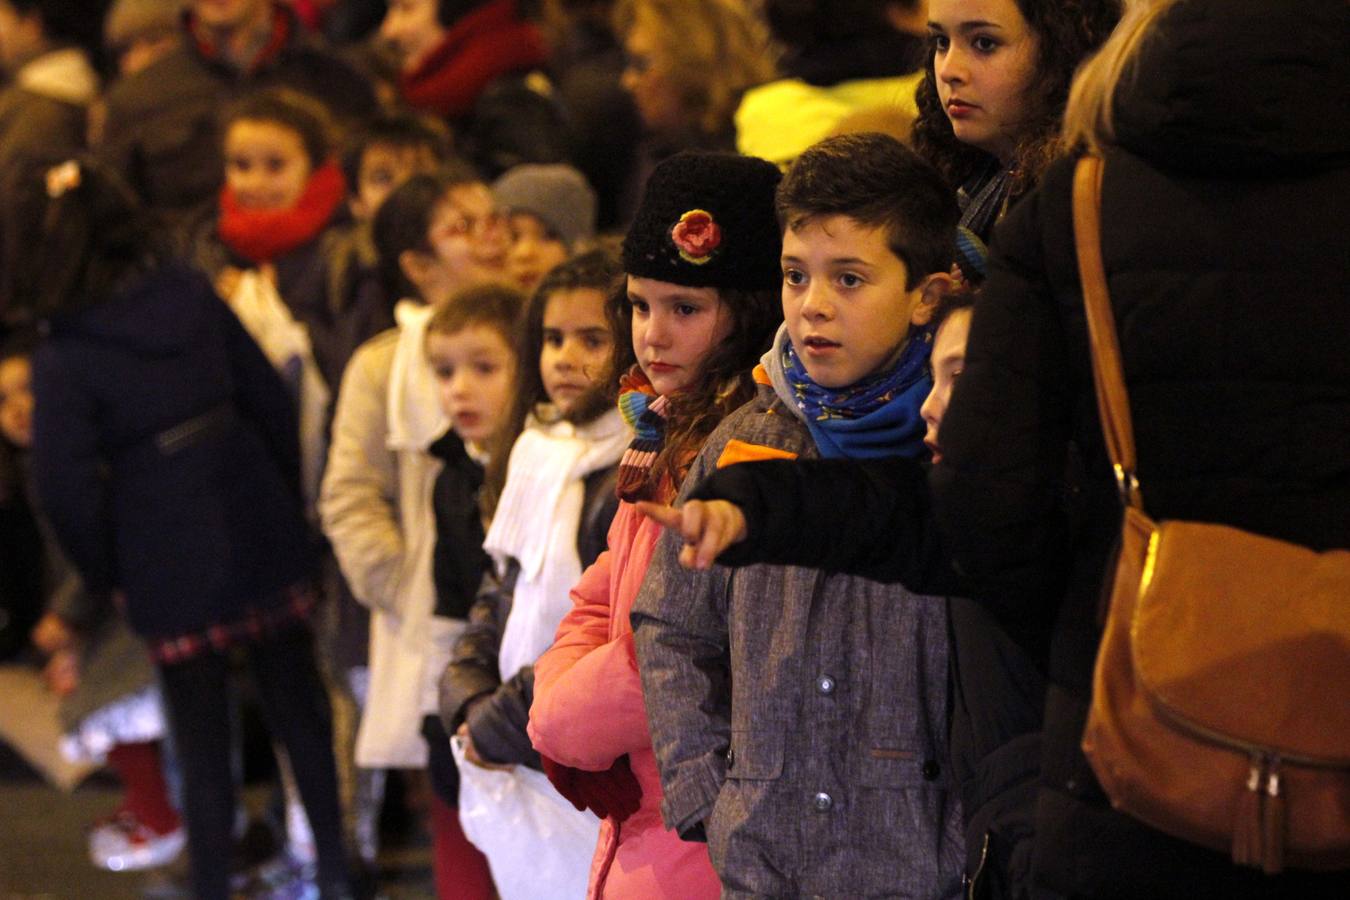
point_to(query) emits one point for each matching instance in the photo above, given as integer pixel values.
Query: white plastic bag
(538, 846)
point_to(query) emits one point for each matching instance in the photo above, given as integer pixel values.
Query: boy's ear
(931, 290)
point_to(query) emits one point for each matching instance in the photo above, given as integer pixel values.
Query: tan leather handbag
(1221, 696)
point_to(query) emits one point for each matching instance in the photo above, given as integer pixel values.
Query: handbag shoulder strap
(1108, 374)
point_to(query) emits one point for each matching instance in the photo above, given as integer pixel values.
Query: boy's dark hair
(491, 303)
(597, 270)
(877, 182)
(404, 218)
(402, 130)
(74, 240)
(303, 114)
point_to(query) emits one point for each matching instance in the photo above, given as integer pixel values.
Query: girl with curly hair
(991, 101)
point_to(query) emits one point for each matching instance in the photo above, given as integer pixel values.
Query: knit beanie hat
(557, 194)
(128, 20)
(707, 220)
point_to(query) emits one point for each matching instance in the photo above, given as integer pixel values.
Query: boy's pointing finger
(666, 516)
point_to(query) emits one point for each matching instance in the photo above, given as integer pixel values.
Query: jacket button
(931, 769)
(822, 802)
(731, 757)
(825, 684)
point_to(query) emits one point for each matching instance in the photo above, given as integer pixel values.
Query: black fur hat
(707, 220)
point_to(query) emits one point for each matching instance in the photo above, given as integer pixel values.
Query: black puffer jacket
(1224, 223)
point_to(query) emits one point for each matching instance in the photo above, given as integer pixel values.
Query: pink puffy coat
(588, 711)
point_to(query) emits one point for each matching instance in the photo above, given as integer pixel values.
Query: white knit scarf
(536, 524)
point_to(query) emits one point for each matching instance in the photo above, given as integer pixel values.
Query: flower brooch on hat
(696, 236)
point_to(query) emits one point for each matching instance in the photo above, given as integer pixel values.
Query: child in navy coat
(166, 456)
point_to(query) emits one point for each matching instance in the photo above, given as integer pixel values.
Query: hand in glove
(613, 792)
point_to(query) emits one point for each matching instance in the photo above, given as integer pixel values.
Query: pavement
(44, 853)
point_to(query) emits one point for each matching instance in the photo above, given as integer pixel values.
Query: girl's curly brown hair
(1067, 32)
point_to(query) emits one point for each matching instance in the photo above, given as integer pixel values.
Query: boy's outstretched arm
(708, 527)
(871, 518)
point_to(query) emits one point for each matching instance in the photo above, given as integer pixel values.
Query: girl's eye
(794, 277)
(850, 280)
(595, 342)
(553, 339)
(984, 44)
(485, 368)
(940, 42)
(443, 373)
(639, 306)
(685, 309)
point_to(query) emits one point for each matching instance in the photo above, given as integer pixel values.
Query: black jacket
(1223, 229)
(497, 725)
(459, 562)
(166, 457)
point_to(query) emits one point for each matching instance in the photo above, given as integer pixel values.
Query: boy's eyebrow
(834, 261)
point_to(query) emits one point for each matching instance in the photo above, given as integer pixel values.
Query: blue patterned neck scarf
(876, 417)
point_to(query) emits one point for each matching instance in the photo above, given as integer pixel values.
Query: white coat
(375, 506)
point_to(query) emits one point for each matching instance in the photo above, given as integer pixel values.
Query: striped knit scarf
(645, 412)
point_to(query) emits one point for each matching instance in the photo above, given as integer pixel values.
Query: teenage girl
(994, 92)
(436, 235)
(165, 455)
(549, 522)
(700, 305)
(283, 189)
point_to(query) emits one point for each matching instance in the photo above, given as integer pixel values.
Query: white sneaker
(125, 844)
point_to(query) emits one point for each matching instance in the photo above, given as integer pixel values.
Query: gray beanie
(557, 194)
(131, 19)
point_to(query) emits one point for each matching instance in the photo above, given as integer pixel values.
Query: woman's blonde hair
(718, 49)
(1089, 116)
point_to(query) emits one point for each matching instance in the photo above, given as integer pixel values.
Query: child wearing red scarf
(264, 246)
(282, 187)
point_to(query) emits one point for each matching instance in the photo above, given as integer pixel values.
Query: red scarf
(489, 42)
(260, 235)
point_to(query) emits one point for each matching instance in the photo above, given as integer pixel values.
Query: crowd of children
(401, 378)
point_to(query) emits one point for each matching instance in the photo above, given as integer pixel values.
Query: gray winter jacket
(798, 718)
